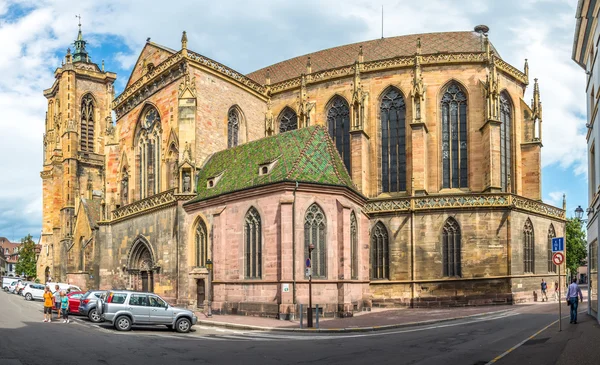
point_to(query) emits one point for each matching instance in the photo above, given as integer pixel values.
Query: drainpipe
(294, 246)
(412, 249)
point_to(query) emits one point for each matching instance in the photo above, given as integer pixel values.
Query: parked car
(13, 287)
(20, 286)
(33, 291)
(74, 299)
(126, 308)
(7, 280)
(87, 305)
(63, 286)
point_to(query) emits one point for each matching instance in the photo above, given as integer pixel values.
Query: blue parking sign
(558, 244)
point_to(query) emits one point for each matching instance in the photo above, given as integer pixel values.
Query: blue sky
(34, 35)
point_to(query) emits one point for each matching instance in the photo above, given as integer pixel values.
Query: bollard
(317, 316)
(301, 316)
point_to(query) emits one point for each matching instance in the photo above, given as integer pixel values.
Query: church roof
(93, 211)
(377, 49)
(304, 155)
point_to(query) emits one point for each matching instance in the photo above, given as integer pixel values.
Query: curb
(342, 330)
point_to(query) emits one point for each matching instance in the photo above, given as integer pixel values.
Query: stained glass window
(233, 127)
(451, 248)
(253, 230)
(454, 138)
(201, 240)
(528, 247)
(393, 141)
(315, 226)
(288, 120)
(338, 121)
(551, 235)
(380, 261)
(86, 137)
(505, 141)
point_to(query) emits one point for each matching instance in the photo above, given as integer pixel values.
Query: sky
(248, 35)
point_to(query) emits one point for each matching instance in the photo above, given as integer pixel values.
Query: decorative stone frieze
(146, 205)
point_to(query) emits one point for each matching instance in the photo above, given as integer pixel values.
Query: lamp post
(579, 212)
(309, 314)
(209, 266)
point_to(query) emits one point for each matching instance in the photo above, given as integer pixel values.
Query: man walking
(544, 287)
(572, 295)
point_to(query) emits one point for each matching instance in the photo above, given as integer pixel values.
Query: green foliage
(576, 245)
(27, 261)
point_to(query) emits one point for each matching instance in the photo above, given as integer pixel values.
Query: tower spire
(80, 54)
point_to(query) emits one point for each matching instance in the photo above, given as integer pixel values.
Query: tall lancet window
(393, 141)
(315, 225)
(528, 247)
(505, 141)
(338, 122)
(252, 232)
(380, 260)
(233, 127)
(201, 241)
(454, 137)
(86, 136)
(148, 152)
(451, 248)
(288, 120)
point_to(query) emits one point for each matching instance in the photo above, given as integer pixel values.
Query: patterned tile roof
(304, 155)
(377, 49)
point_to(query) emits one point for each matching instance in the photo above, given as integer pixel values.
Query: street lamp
(309, 315)
(209, 266)
(579, 212)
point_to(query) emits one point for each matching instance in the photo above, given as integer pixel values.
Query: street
(25, 339)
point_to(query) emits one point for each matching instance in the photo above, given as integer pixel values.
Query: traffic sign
(307, 262)
(558, 258)
(558, 244)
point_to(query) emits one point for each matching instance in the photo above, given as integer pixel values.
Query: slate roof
(377, 49)
(304, 155)
(93, 211)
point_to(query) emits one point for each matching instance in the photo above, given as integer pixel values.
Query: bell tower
(77, 118)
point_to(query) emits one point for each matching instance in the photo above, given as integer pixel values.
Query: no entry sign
(558, 258)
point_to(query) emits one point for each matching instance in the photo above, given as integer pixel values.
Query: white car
(34, 291)
(13, 286)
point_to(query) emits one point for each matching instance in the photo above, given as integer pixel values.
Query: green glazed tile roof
(304, 155)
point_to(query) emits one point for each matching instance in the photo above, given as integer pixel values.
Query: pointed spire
(308, 66)
(184, 40)
(68, 57)
(419, 46)
(564, 201)
(361, 57)
(526, 68)
(268, 77)
(80, 54)
(536, 95)
(102, 65)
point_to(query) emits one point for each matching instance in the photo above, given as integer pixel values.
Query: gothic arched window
(454, 137)
(201, 243)
(86, 137)
(451, 248)
(233, 127)
(338, 121)
(353, 246)
(505, 141)
(551, 235)
(288, 120)
(528, 247)
(380, 261)
(315, 226)
(148, 152)
(393, 141)
(252, 232)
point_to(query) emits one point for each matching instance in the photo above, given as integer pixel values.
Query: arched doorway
(47, 274)
(141, 266)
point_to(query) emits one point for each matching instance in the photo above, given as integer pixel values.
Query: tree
(576, 245)
(27, 262)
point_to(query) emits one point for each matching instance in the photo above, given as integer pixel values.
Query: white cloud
(554, 198)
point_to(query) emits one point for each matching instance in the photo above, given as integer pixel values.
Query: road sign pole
(559, 307)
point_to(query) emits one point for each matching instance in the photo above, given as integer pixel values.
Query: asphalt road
(26, 339)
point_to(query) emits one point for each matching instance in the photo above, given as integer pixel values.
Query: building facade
(11, 256)
(411, 164)
(584, 54)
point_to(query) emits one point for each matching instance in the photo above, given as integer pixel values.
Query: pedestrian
(574, 293)
(48, 304)
(64, 307)
(544, 287)
(57, 300)
(556, 291)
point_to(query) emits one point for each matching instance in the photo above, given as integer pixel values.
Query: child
(64, 306)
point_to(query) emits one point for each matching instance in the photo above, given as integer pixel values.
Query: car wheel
(28, 296)
(123, 323)
(94, 316)
(183, 325)
(5, 288)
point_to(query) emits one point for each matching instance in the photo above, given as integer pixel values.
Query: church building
(408, 169)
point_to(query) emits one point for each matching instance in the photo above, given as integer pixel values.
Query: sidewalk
(377, 319)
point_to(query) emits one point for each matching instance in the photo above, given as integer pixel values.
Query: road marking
(525, 340)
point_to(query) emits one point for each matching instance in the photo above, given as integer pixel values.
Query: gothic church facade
(410, 166)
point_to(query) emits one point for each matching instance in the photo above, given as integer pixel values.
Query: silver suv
(126, 308)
